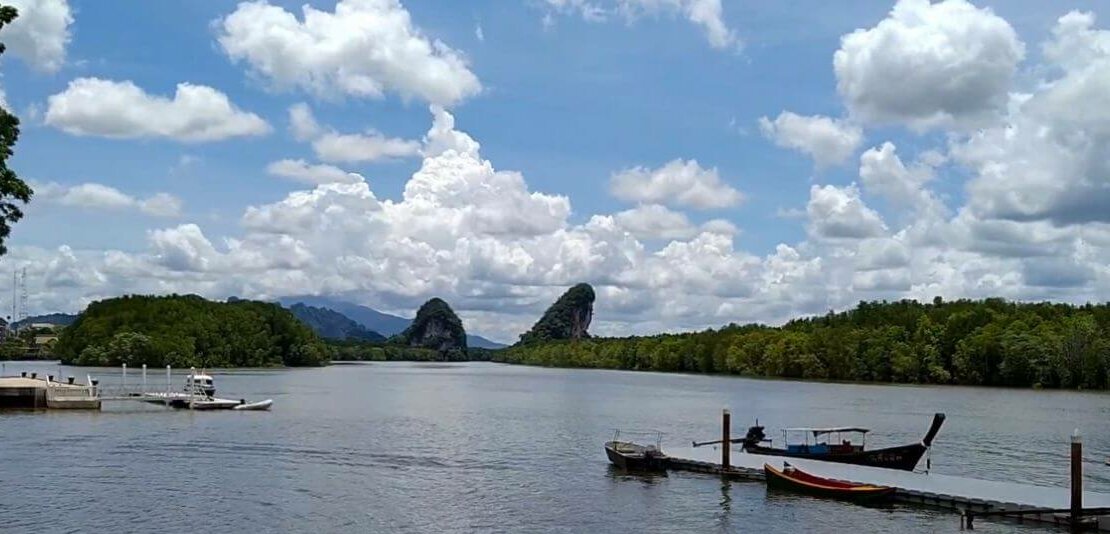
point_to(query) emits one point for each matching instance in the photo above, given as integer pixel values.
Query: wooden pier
(972, 498)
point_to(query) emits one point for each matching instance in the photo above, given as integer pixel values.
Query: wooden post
(1076, 478)
(726, 447)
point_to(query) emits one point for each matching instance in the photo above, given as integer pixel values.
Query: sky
(699, 162)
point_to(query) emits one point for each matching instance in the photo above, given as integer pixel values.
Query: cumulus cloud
(1030, 226)
(354, 148)
(365, 48)
(335, 147)
(1048, 159)
(929, 64)
(302, 123)
(678, 182)
(883, 173)
(827, 141)
(840, 213)
(40, 34)
(301, 171)
(122, 110)
(653, 221)
(93, 196)
(707, 14)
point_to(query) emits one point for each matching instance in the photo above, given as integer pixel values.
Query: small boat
(632, 456)
(829, 445)
(258, 406)
(794, 479)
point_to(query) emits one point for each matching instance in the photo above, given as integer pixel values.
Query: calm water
(486, 447)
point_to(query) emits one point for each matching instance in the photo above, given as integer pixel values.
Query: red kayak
(794, 479)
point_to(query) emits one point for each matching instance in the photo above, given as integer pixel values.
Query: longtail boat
(631, 456)
(829, 445)
(794, 479)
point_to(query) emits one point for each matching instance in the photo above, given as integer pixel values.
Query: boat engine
(755, 436)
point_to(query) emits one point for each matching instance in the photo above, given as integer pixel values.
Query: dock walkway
(944, 491)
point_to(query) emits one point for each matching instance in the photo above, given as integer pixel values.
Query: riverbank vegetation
(976, 342)
(363, 351)
(187, 330)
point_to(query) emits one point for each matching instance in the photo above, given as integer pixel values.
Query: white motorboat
(199, 394)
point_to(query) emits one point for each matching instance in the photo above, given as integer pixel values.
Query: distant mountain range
(382, 323)
(329, 317)
(58, 319)
(332, 324)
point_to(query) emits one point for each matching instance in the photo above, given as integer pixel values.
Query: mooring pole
(726, 446)
(1076, 478)
(168, 387)
(144, 380)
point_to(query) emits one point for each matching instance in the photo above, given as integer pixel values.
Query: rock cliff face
(568, 318)
(435, 327)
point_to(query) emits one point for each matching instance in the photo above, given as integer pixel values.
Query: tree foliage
(12, 189)
(351, 350)
(187, 330)
(567, 318)
(987, 342)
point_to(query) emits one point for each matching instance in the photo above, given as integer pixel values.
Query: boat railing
(641, 436)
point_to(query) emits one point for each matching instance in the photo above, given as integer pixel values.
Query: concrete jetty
(36, 392)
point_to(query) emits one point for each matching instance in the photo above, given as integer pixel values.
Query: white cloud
(882, 172)
(161, 205)
(300, 171)
(708, 14)
(122, 110)
(365, 48)
(332, 146)
(302, 123)
(652, 221)
(720, 226)
(1076, 44)
(355, 148)
(881, 253)
(93, 196)
(1048, 159)
(65, 270)
(40, 34)
(678, 182)
(840, 213)
(827, 141)
(926, 64)
(500, 251)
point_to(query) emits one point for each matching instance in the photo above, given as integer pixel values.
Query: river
(409, 447)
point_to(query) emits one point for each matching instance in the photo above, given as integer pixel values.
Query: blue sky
(570, 94)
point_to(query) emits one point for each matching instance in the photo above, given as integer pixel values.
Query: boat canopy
(822, 431)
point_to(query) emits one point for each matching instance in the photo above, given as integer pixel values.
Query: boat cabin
(837, 440)
(200, 384)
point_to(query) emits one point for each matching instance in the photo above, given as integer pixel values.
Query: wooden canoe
(794, 479)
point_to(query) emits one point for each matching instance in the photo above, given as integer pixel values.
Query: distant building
(43, 339)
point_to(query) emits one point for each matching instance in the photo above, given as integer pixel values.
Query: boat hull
(637, 458)
(800, 482)
(904, 458)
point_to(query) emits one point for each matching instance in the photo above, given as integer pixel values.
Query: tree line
(990, 342)
(188, 330)
(369, 351)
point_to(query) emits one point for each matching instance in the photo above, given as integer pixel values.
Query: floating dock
(972, 498)
(30, 391)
